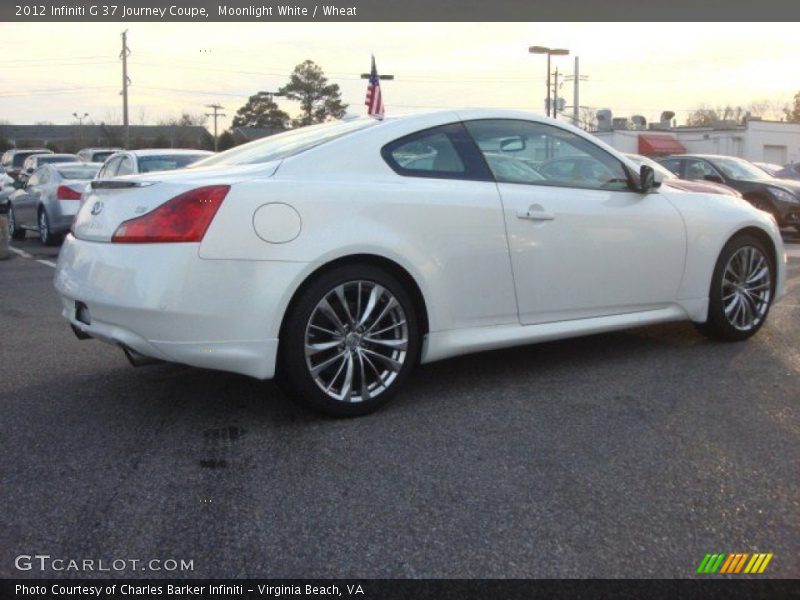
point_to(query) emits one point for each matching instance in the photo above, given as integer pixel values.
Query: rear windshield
(78, 171)
(43, 160)
(101, 156)
(167, 162)
(19, 159)
(288, 143)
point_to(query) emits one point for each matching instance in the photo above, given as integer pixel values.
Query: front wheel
(741, 290)
(350, 340)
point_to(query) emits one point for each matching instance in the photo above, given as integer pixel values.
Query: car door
(583, 244)
(25, 200)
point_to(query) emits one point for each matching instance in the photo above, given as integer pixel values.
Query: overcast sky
(48, 70)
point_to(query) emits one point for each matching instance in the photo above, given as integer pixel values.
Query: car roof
(166, 151)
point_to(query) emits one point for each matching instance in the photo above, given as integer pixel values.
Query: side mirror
(647, 179)
(513, 144)
(713, 178)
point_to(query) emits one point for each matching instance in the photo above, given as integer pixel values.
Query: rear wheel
(741, 290)
(349, 341)
(14, 230)
(45, 235)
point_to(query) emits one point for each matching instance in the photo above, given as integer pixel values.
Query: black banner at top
(396, 10)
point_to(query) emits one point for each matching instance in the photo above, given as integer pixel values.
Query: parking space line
(24, 254)
(20, 252)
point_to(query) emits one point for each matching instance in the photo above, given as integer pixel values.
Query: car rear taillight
(184, 218)
(65, 192)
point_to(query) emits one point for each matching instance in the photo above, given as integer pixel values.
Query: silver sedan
(49, 200)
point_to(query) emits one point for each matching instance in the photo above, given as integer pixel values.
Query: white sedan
(340, 255)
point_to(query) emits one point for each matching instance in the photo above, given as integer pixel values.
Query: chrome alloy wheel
(44, 228)
(356, 341)
(746, 288)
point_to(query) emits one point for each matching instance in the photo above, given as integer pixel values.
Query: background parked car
(34, 161)
(789, 171)
(769, 168)
(781, 197)
(673, 181)
(13, 160)
(49, 200)
(96, 155)
(131, 162)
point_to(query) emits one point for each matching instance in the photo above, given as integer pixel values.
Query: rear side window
(445, 152)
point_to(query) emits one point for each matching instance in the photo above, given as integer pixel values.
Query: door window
(673, 164)
(699, 169)
(539, 154)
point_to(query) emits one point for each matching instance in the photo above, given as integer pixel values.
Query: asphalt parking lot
(630, 454)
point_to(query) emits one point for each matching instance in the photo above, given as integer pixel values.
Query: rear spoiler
(116, 184)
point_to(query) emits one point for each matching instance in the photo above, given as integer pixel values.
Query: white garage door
(775, 154)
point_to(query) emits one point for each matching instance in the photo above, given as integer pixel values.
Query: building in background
(753, 139)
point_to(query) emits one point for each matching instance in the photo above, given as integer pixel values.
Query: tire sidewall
(717, 321)
(292, 365)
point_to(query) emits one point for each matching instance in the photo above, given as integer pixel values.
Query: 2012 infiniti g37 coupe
(337, 256)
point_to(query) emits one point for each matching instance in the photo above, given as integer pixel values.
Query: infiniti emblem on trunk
(97, 208)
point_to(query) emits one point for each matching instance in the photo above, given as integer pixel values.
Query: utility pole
(215, 115)
(555, 95)
(125, 83)
(575, 95)
(550, 52)
(576, 78)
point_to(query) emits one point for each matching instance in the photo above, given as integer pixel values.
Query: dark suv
(781, 197)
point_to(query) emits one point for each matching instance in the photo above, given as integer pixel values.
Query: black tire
(47, 237)
(719, 326)
(294, 367)
(15, 232)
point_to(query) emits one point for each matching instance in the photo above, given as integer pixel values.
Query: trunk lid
(110, 202)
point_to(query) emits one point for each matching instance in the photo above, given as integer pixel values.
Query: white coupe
(338, 256)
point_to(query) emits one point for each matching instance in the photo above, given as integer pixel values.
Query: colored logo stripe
(734, 563)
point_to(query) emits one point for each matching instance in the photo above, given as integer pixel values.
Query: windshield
(78, 171)
(288, 143)
(736, 168)
(167, 162)
(657, 167)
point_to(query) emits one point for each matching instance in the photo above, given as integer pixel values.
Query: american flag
(374, 99)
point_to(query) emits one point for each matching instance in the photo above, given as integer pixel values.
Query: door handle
(535, 213)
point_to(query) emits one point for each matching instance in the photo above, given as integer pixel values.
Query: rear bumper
(165, 302)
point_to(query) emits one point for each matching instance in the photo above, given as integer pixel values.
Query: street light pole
(80, 126)
(550, 52)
